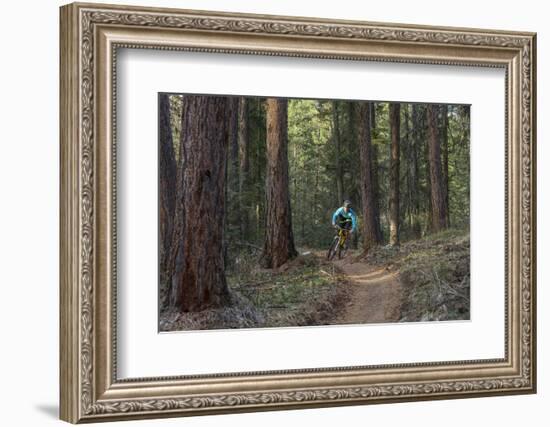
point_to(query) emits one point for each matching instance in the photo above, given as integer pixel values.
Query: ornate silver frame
(90, 36)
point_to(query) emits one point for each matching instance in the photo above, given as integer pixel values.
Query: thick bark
(394, 173)
(374, 170)
(198, 281)
(167, 185)
(371, 235)
(354, 160)
(428, 189)
(373, 115)
(244, 168)
(338, 149)
(232, 176)
(415, 144)
(437, 196)
(279, 241)
(233, 142)
(260, 138)
(233, 216)
(445, 158)
(407, 146)
(232, 194)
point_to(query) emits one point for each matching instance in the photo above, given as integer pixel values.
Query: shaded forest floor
(422, 280)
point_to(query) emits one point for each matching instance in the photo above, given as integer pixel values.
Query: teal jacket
(340, 216)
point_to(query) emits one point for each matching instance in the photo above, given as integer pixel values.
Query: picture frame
(91, 34)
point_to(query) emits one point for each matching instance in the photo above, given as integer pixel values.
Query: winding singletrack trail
(375, 293)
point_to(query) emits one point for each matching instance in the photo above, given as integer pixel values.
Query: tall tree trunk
(428, 192)
(198, 281)
(244, 168)
(410, 142)
(233, 141)
(233, 217)
(394, 173)
(370, 235)
(416, 143)
(373, 115)
(406, 142)
(374, 170)
(167, 187)
(437, 196)
(354, 162)
(260, 167)
(338, 146)
(279, 241)
(445, 158)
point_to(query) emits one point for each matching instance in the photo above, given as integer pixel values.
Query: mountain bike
(339, 243)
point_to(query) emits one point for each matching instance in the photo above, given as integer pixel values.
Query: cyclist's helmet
(347, 203)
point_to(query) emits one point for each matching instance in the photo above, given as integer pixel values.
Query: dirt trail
(375, 293)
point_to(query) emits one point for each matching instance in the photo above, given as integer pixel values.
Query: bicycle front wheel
(333, 247)
(342, 247)
(341, 251)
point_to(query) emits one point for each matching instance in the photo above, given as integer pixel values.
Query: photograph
(292, 212)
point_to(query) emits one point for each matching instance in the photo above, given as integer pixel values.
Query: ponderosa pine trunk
(232, 218)
(395, 123)
(232, 227)
(338, 151)
(437, 196)
(416, 144)
(198, 280)
(354, 160)
(374, 170)
(445, 158)
(167, 187)
(279, 241)
(244, 168)
(371, 235)
(260, 158)
(233, 142)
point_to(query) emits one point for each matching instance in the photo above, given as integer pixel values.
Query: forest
(247, 190)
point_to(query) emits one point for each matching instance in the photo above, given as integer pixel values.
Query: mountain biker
(345, 218)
